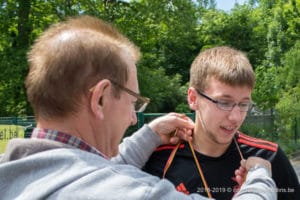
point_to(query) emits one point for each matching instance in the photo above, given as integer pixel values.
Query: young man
(83, 88)
(221, 82)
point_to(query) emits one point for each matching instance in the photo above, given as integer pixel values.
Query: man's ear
(192, 98)
(100, 95)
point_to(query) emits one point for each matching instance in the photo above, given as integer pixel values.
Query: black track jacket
(219, 171)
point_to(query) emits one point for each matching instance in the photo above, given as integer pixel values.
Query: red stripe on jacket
(255, 142)
(165, 147)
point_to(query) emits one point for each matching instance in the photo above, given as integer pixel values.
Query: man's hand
(249, 164)
(173, 127)
(241, 173)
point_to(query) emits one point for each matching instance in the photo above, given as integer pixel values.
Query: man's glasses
(228, 105)
(141, 102)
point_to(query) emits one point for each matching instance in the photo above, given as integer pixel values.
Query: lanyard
(200, 171)
(171, 158)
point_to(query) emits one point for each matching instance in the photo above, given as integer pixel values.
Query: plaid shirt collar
(64, 138)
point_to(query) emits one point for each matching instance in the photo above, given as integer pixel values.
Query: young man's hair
(71, 57)
(226, 64)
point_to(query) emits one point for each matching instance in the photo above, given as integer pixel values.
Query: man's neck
(64, 125)
(207, 145)
(81, 127)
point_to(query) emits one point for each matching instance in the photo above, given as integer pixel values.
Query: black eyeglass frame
(222, 108)
(145, 100)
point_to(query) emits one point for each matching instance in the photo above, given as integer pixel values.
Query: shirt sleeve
(258, 186)
(137, 149)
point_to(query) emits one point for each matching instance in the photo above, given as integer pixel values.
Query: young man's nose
(235, 114)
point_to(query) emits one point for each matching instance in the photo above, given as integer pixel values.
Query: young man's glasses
(141, 102)
(228, 105)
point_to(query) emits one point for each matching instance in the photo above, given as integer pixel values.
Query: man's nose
(236, 115)
(133, 118)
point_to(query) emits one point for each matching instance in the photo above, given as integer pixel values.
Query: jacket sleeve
(285, 177)
(258, 186)
(137, 149)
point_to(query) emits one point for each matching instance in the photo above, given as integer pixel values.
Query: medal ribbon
(200, 171)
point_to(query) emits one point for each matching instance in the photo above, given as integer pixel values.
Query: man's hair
(226, 64)
(71, 57)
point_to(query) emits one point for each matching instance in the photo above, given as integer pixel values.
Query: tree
(13, 65)
(170, 34)
(166, 33)
(288, 77)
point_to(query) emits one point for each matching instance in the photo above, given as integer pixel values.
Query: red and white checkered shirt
(64, 138)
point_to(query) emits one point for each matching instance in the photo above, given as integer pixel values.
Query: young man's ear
(192, 98)
(100, 96)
